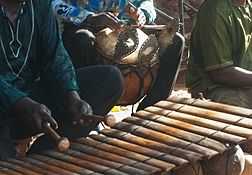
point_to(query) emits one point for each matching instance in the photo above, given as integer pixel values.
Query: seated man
(38, 82)
(221, 53)
(83, 18)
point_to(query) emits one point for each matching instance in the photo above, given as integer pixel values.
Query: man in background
(83, 18)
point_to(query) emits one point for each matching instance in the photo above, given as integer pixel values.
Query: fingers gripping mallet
(62, 142)
(109, 120)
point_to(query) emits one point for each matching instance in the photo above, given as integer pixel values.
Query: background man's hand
(77, 108)
(137, 16)
(104, 20)
(34, 114)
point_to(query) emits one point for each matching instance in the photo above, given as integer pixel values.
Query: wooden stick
(109, 120)
(130, 138)
(123, 156)
(155, 158)
(220, 107)
(211, 133)
(62, 142)
(177, 133)
(165, 139)
(150, 27)
(211, 119)
(53, 165)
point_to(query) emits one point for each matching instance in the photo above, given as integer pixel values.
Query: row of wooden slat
(159, 139)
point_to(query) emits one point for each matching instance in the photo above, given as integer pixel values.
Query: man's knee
(84, 38)
(82, 48)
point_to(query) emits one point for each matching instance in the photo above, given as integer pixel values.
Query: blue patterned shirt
(76, 11)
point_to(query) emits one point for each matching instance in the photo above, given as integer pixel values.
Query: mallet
(150, 27)
(62, 142)
(109, 120)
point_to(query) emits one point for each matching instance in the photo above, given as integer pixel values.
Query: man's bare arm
(232, 76)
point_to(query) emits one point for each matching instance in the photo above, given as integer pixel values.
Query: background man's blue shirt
(76, 11)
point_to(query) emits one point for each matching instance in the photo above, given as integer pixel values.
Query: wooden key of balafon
(62, 142)
(109, 120)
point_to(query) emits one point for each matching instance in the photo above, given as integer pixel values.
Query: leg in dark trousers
(7, 149)
(101, 86)
(167, 73)
(80, 44)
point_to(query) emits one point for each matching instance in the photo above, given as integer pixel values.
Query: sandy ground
(121, 112)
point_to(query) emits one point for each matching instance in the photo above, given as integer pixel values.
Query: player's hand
(77, 108)
(137, 15)
(104, 20)
(34, 114)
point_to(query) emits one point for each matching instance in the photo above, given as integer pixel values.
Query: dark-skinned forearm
(232, 76)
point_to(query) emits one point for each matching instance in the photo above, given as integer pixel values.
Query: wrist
(71, 96)
(21, 103)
